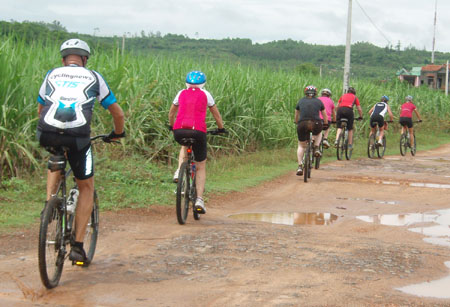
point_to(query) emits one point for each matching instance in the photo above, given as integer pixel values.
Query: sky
(380, 22)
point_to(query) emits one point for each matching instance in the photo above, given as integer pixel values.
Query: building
(431, 75)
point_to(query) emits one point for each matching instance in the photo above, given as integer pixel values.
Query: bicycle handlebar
(105, 138)
(217, 131)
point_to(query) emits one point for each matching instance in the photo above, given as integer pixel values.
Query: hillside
(368, 61)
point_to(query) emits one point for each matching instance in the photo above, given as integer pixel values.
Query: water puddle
(436, 288)
(288, 218)
(393, 182)
(436, 229)
(384, 202)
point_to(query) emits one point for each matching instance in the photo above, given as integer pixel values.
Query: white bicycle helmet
(409, 98)
(75, 46)
(326, 92)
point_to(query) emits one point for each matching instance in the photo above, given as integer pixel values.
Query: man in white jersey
(66, 102)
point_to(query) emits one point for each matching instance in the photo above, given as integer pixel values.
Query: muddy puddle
(288, 218)
(393, 182)
(383, 202)
(435, 226)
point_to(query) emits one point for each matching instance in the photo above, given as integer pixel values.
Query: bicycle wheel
(403, 144)
(317, 159)
(371, 146)
(382, 149)
(50, 253)
(341, 145)
(306, 162)
(348, 151)
(311, 158)
(90, 238)
(413, 147)
(193, 197)
(183, 194)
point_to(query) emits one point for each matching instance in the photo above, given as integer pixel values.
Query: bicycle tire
(306, 162)
(403, 144)
(413, 148)
(311, 159)
(348, 151)
(340, 146)
(50, 254)
(182, 203)
(194, 197)
(90, 238)
(371, 146)
(381, 149)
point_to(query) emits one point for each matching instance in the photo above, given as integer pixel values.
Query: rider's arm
(297, 116)
(390, 113)
(216, 114)
(118, 117)
(333, 114)
(172, 112)
(325, 117)
(418, 115)
(359, 111)
(371, 110)
(40, 107)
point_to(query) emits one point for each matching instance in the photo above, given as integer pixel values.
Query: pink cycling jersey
(348, 100)
(192, 103)
(329, 107)
(407, 109)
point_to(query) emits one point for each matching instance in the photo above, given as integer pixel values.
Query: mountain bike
(342, 141)
(373, 144)
(186, 185)
(405, 142)
(57, 229)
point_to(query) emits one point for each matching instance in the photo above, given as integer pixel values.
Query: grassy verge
(132, 182)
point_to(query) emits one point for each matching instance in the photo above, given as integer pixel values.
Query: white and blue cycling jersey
(380, 109)
(68, 95)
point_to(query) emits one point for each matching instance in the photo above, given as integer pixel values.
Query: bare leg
(300, 151)
(52, 182)
(325, 133)
(84, 207)
(338, 133)
(350, 137)
(317, 139)
(381, 133)
(200, 178)
(182, 156)
(411, 136)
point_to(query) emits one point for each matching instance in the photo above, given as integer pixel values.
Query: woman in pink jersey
(189, 107)
(406, 117)
(331, 113)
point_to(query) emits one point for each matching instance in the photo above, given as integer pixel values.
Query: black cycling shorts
(375, 120)
(80, 158)
(304, 127)
(199, 147)
(345, 112)
(406, 121)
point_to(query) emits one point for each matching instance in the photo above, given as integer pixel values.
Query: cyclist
(406, 117)
(66, 101)
(377, 113)
(331, 112)
(308, 120)
(345, 110)
(187, 119)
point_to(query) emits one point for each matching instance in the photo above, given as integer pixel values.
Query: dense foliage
(256, 102)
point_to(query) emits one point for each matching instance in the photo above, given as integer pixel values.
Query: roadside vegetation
(257, 104)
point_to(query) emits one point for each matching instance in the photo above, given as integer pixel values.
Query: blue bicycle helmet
(384, 98)
(195, 77)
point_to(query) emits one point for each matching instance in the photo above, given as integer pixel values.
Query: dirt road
(360, 234)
